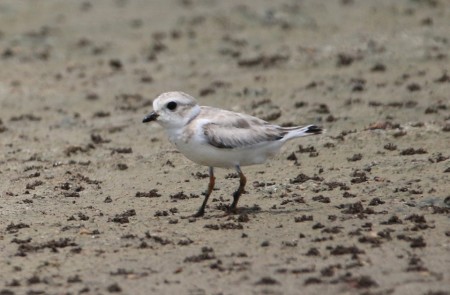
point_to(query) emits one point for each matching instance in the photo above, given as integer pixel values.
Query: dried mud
(94, 202)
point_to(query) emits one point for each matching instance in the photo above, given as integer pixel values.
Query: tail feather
(313, 129)
(302, 131)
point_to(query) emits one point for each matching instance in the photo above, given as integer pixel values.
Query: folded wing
(239, 131)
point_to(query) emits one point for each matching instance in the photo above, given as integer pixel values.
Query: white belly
(207, 155)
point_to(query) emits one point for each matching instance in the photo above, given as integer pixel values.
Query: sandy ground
(92, 201)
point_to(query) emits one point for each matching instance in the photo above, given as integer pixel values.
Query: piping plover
(219, 138)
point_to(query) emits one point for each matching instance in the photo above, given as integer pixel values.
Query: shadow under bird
(219, 138)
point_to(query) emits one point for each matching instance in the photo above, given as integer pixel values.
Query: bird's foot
(198, 214)
(231, 211)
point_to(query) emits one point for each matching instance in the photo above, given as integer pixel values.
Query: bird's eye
(172, 105)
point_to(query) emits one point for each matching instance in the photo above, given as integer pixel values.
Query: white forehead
(176, 96)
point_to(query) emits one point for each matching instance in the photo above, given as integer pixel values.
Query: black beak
(150, 117)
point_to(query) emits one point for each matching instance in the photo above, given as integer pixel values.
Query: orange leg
(240, 190)
(212, 179)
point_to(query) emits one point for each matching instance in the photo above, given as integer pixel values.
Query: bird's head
(173, 109)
